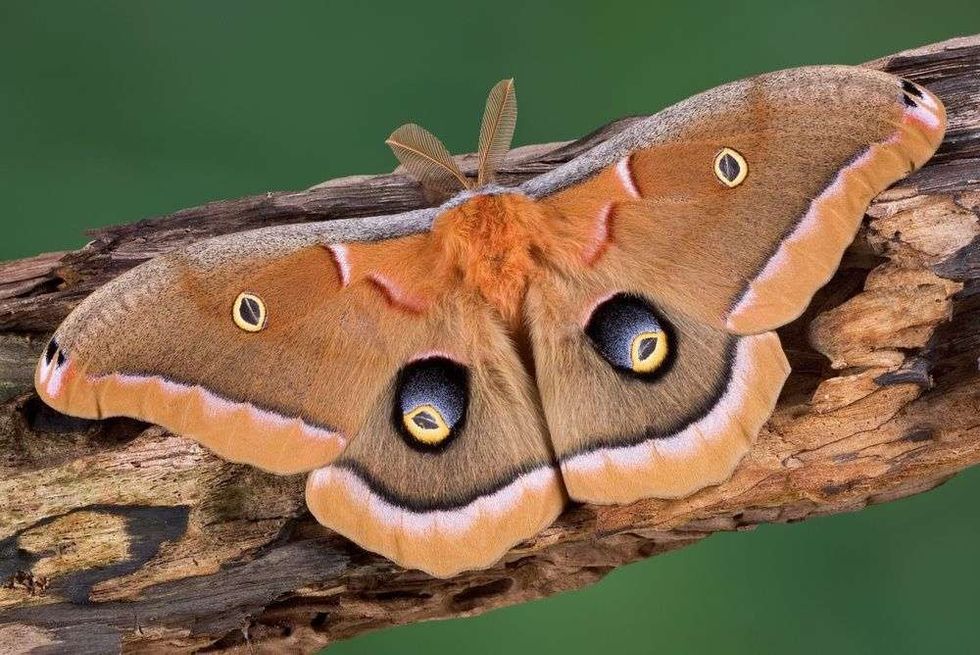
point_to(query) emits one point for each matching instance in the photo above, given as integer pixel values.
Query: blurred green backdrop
(113, 111)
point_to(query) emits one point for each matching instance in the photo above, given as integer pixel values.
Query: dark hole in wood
(470, 598)
(42, 418)
(919, 435)
(319, 621)
(403, 594)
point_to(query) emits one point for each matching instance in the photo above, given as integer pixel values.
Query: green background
(113, 111)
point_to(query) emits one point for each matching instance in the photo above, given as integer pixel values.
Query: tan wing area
(461, 506)
(620, 437)
(717, 248)
(818, 145)
(161, 344)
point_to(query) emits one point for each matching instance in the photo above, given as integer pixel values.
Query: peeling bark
(118, 535)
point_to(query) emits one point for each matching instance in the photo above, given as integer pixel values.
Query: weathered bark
(118, 534)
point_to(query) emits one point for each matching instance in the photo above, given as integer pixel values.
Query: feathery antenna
(497, 129)
(426, 159)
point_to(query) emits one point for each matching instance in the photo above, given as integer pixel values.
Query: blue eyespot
(628, 333)
(431, 398)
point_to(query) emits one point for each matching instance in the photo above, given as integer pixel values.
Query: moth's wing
(621, 436)
(345, 323)
(818, 144)
(160, 343)
(459, 504)
(650, 217)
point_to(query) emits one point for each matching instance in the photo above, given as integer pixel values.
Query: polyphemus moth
(450, 377)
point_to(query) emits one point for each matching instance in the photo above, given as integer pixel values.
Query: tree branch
(116, 534)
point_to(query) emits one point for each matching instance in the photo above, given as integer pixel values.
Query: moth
(451, 377)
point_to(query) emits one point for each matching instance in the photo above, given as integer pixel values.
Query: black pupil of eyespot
(729, 167)
(425, 421)
(647, 346)
(249, 309)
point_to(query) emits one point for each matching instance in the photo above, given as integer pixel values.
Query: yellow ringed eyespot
(249, 312)
(730, 167)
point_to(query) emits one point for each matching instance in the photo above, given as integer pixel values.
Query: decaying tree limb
(119, 535)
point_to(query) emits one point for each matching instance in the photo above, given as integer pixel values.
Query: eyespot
(627, 332)
(249, 312)
(431, 398)
(730, 167)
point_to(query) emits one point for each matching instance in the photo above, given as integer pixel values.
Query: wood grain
(117, 535)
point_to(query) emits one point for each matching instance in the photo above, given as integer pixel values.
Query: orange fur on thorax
(494, 244)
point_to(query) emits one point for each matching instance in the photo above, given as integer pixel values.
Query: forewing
(162, 343)
(807, 150)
